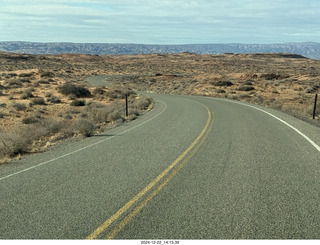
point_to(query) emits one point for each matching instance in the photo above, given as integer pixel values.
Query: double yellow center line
(182, 159)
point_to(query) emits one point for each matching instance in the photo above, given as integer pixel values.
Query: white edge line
(284, 122)
(83, 148)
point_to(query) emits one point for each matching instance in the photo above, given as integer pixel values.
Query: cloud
(167, 21)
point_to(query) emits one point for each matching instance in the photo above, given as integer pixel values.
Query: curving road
(192, 168)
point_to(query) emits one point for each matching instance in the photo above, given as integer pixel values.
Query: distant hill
(307, 49)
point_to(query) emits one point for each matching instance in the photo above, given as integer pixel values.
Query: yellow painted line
(132, 214)
(115, 216)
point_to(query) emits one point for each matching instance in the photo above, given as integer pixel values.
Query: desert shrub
(246, 88)
(2, 114)
(132, 117)
(78, 103)
(233, 97)
(15, 83)
(30, 120)
(112, 94)
(270, 76)
(19, 140)
(143, 103)
(12, 74)
(119, 93)
(98, 90)
(243, 96)
(114, 116)
(26, 74)
(23, 80)
(54, 99)
(134, 111)
(38, 101)
(27, 94)
(77, 91)
(13, 143)
(276, 105)
(309, 90)
(19, 106)
(85, 127)
(99, 115)
(223, 83)
(257, 100)
(310, 108)
(46, 74)
(44, 82)
(221, 91)
(49, 126)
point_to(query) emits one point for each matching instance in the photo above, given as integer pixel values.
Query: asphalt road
(192, 168)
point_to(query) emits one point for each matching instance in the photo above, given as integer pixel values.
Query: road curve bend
(192, 168)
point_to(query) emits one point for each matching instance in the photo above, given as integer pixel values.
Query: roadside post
(315, 105)
(127, 113)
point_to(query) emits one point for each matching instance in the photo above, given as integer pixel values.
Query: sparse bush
(114, 116)
(78, 103)
(85, 127)
(26, 74)
(25, 80)
(54, 99)
(112, 94)
(19, 106)
(15, 83)
(13, 143)
(310, 108)
(276, 105)
(46, 74)
(257, 100)
(98, 90)
(223, 83)
(77, 91)
(38, 101)
(246, 88)
(221, 91)
(27, 94)
(98, 115)
(30, 120)
(44, 82)
(132, 117)
(248, 83)
(233, 97)
(272, 76)
(119, 93)
(143, 103)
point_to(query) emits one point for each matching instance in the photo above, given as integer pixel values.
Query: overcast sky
(160, 21)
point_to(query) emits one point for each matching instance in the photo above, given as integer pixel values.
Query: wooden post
(315, 105)
(127, 113)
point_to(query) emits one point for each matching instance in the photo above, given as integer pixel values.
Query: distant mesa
(287, 50)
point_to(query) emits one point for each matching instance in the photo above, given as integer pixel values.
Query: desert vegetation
(40, 106)
(284, 82)
(45, 98)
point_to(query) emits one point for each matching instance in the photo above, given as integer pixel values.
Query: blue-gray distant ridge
(306, 49)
